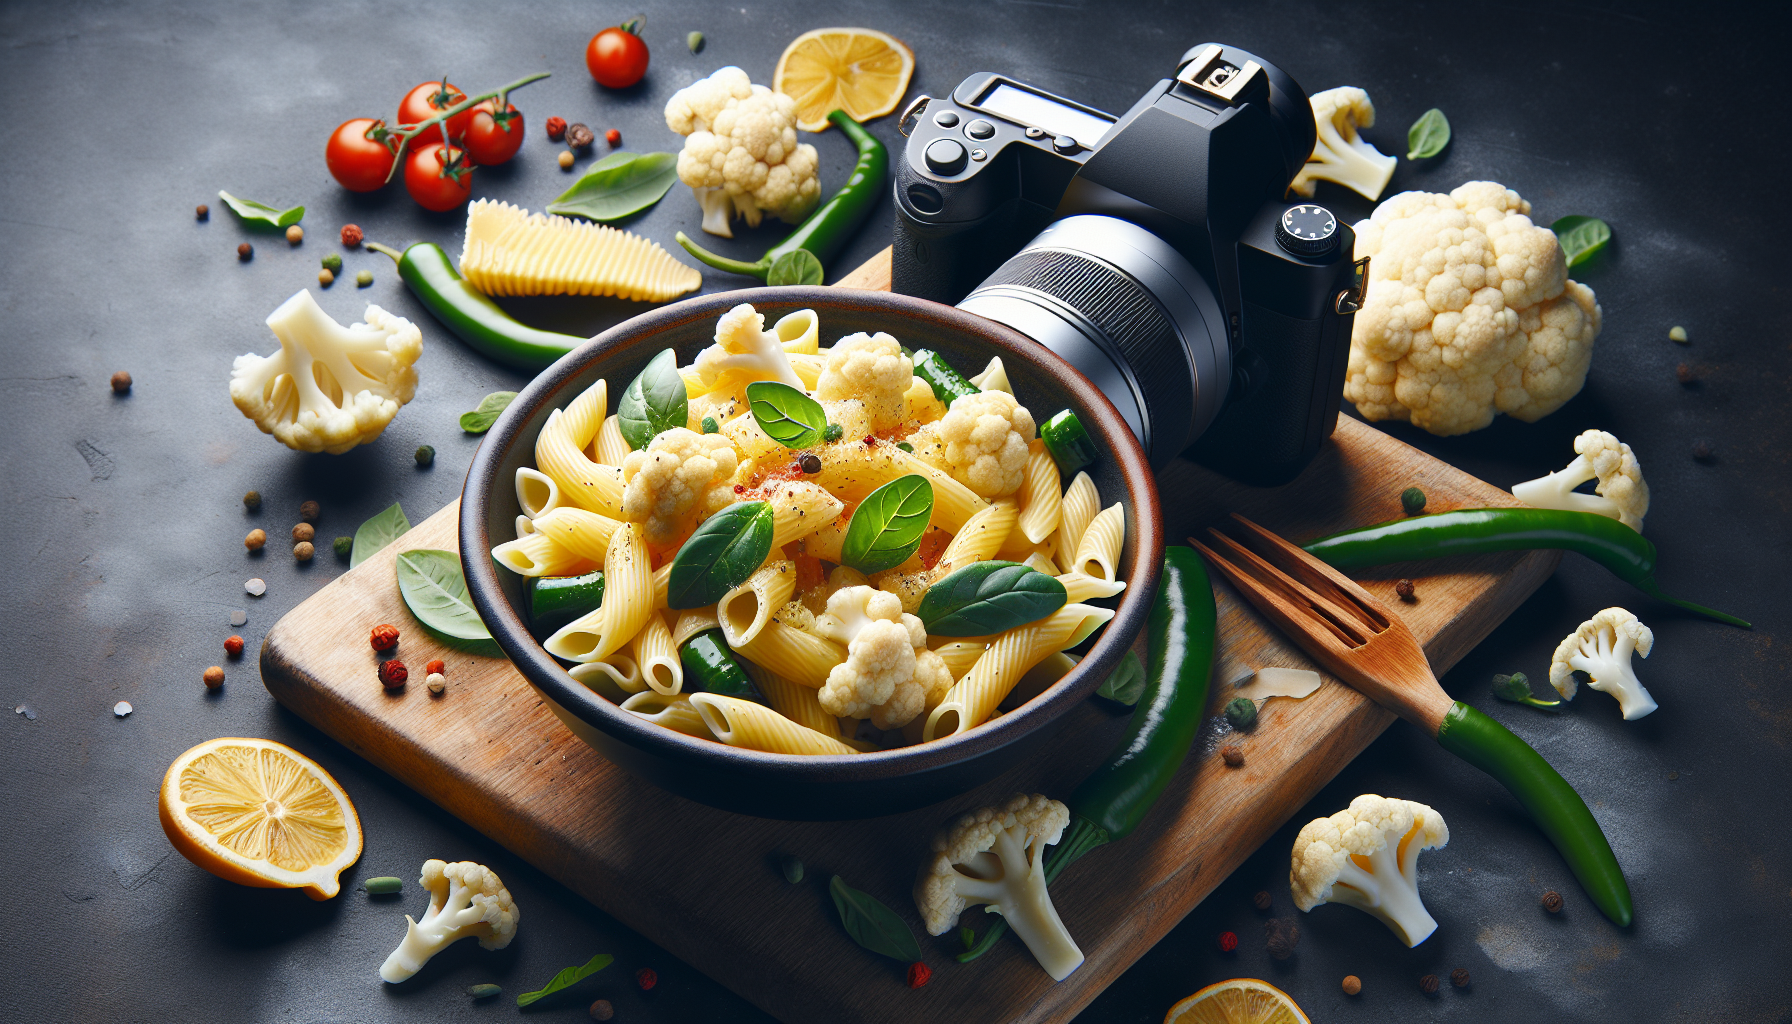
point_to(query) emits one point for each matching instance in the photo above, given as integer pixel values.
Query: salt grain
(122, 708)
(238, 617)
(257, 587)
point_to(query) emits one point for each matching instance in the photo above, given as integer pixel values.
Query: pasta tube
(540, 555)
(611, 447)
(658, 658)
(797, 656)
(1083, 587)
(1098, 553)
(536, 492)
(795, 701)
(692, 622)
(614, 678)
(969, 703)
(742, 723)
(1042, 562)
(826, 542)
(676, 713)
(662, 584)
(524, 526)
(1042, 506)
(800, 508)
(745, 611)
(560, 453)
(583, 533)
(980, 538)
(852, 471)
(628, 601)
(1079, 507)
(799, 333)
(960, 655)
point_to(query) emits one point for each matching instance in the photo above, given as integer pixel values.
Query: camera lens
(1128, 311)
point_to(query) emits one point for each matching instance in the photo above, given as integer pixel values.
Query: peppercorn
(245, 252)
(351, 235)
(303, 531)
(740, 488)
(601, 1009)
(1283, 936)
(425, 455)
(565, 159)
(383, 637)
(1404, 589)
(233, 646)
(436, 682)
(332, 263)
(579, 137)
(309, 511)
(1459, 977)
(435, 667)
(255, 539)
(1352, 984)
(121, 383)
(214, 677)
(1683, 373)
(919, 974)
(613, 137)
(325, 278)
(694, 40)
(792, 868)
(1674, 333)
(1552, 901)
(1412, 500)
(1241, 712)
(1428, 984)
(363, 278)
(252, 500)
(1261, 900)
(870, 440)
(710, 425)
(295, 235)
(646, 978)
(343, 546)
(1233, 755)
(833, 432)
(303, 550)
(1228, 941)
(556, 128)
(810, 463)
(1703, 452)
(202, 212)
(393, 674)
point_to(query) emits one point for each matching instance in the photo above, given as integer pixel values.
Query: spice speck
(425, 455)
(792, 868)
(601, 1010)
(383, 637)
(309, 511)
(351, 235)
(245, 252)
(343, 546)
(238, 617)
(1233, 754)
(303, 551)
(485, 991)
(565, 162)
(919, 974)
(326, 277)
(646, 978)
(1412, 501)
(1241, 712)
(1261, 900)
(256, 586)
(213, 677)
(1428, 984)
(1352, 984)
(613, 137)
(436, 682)
(122, 708)
(332, 263)
(1552, 901)
(1405, 590)
(1283, 936)
(295, 235)
(556, 128)
(1459, 977)
(233, 646)
(578, 136)
(252, 501)
(363, 278)
(1675, 333)
(303, 531)
(694, 40)
(255, 539)
(27, 710)
(202, 212)
(393, 674)
(121, 383)
(1228, 941)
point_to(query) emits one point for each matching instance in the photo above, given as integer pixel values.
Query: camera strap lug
(913, 110)
(1351, 299)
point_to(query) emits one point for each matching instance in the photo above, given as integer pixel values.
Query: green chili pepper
(834, 223)
(472, 316)
(710, 666)
(947, 384)
(1068, 442)
(1627, 553)
(555, 601)
(1553, 804)
(1112, 801)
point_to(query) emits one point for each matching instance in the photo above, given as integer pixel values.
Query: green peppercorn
(694, 40)
(425, 455)
(709, 425)
(343, 545)
(383, 885)
(252, 501)
(1412, 500)
(792, 868)
(485, 991)
(363, 278)
(1241, 712)
(333, 263)
(905, 446)
(833, 432)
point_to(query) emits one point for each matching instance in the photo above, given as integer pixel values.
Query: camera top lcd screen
(1030, 108)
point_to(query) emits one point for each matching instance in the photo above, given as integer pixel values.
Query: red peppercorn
(556, 127)
(1228, 942)
(919, 974)
(351, 235)
(434, 667)
(233, 646)
(870, 440)
(740, 488)
(646, 978)
(393, 674)
(613, 137)
(384, 637)
(1405, 589)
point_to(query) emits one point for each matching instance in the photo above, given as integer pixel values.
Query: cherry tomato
(357, 156)
(491, 140)
(430, 99)
(617, 58)
(438, 177)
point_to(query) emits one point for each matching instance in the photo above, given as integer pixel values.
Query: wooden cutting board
(489, 751)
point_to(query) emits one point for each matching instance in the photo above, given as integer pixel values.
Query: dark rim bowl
(781, 785)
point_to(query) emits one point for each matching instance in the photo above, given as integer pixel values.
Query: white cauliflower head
(466, 901)
(872, 369)
(674, 480)
(330, 387)
(889, 674)
(1601, 648)
(744, 351)
(1622, 493)
(1469, 313)
(1367, 857)
(981, 441)
(1339, 153)
(740, 152)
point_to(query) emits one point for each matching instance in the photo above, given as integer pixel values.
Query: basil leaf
(1428, 135)
(787, 416)
(989, 597)
(436, 593)
(376, 533)
(873, 925)
(1581, 237)
(253, 212)
(887, 526)
(618, 185)
(656, 400)
(481, 419)
(798, 266)
(1127, 683)
(724, 551)
(567, 978)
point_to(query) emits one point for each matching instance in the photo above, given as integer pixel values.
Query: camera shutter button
(1065, 144)
(980, 129)
(945, 156)
(1307, 231)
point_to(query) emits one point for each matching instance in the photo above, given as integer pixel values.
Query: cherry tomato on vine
(358, 156)
(438, 177)
(494, 138)
(428, 100)
(617, 57)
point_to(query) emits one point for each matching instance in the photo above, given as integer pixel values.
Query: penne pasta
(628, 601)
(540, 555)
(799, 333)
(799, 509)
(1084, 587)
(919, 404)
(560, 454)
(852, 471)
(1042, 562)
(809, 367)
(971, 700)
(826, 542)
(797, 656)
(536, 492)
(742, 723)
(981, 537)
(794, 701)
(1097, 618)
(583, 533)
(752, 443)
(1041, 504)
(960, 655)
(611, 447)
(745, 611)
(676, 713)
(691, 622)
(1098, 553)
(662, 583)
(1080, 504)
(654, 652)
(614, 678)
(524, 526)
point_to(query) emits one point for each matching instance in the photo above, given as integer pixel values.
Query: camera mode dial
(1307, 231)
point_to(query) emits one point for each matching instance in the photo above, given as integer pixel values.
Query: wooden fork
(1365, 644)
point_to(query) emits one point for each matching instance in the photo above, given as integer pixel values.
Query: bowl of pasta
(810, 553)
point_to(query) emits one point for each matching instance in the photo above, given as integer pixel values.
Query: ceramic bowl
(787, 786)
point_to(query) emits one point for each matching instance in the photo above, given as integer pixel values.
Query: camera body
(1152, 251)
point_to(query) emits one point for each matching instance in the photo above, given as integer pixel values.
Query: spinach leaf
(436, 593)
(798, 266)
(567, 978)
(887, 526)
(618, 185)
(481, 419)
(1581, 237)
(656, 400)
(1127, 683)
(787, 416)
(989, 597)
(376, 533)
(261, 214)
(873, 925)
(1428, 135)
(724, 551)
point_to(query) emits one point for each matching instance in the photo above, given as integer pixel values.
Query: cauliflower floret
(740, 153)
(671, 481)
(1622, 493)
(889, 675)
(466, 901)
(872, 369)
(1367, 857)
(1469, 313)
(744, 352)
(330, 387)
(1339, 154)
(982, 441)
(1601, 648)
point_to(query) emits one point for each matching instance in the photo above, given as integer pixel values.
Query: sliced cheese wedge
(510, 251)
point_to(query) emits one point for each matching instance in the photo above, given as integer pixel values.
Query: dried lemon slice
(260, 813)
(1239, 1001)
(859, 70)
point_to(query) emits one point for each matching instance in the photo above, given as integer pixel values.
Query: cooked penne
(808, 367)
(561, 454)
(853, 471)
(1041, 562)
(1038, 679)
(536, 492)
(524, 526)
(752, 443)
(1083, 587)
(662, 584)
(658, 658)
(614, 678)
(691, 622)
(960, 655)
(1098, 553)
(628, 601)
(799, 508)
(676, 713)
(994, 377)
(1042, 507)
(1079, 507)
(540, 555)
(799, 332)
(981, 537)
(583, 533)
(919, 404)
(797, 656)
(1097, 618)
(794, 701)
(742, 723)
(611, 447)
(969, 703)
(825, 543)
(745, 611)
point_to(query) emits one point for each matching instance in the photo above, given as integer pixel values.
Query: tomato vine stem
(406, 132)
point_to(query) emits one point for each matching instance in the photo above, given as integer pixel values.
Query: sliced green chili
(710, 666)
(472, 316)
(947, 384)
(555, 601)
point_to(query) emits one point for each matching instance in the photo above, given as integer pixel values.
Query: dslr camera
(1152, 251)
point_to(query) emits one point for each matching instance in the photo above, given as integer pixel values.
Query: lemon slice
(859, 70)
(260, 813)
(1239, 1001)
